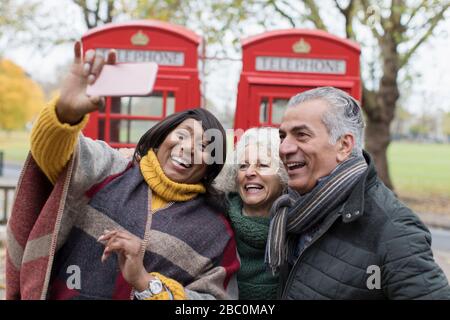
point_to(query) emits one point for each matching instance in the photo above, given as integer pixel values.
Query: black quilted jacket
(371, 247)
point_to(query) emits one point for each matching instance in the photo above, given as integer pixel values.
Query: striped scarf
(293, 214)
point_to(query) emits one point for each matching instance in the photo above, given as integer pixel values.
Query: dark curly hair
(153, 138)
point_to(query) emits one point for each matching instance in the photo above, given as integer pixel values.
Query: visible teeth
(295, 164)
(253, 186)
(181, 161)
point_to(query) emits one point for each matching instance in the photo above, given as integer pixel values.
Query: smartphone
(124, 79)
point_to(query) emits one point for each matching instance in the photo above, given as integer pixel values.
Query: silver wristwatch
(155, 286)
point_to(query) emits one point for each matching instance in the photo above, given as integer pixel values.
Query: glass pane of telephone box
(139, 106)
(263, 110)
(170, 103)
(151, 106)
(101, 129)
(129, 131)
(278, 108)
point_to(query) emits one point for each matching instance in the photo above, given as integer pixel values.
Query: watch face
(155, 286)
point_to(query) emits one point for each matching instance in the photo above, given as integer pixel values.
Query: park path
(443, 260)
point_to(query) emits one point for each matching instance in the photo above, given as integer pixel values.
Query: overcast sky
(431, 91)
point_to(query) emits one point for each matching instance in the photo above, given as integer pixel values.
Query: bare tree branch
(366, 6)
(83, 6)
(109, 11)
(341, 9)
(396, 14)
(432, 25)
(96, 14)
(284, 14)
(395, 28)
(349, 13)
(93, 15)
(414, 12)
(315, 15)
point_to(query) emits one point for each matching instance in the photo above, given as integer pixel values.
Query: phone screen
(124, 79)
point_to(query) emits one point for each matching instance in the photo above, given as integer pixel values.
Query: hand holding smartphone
(124, 79)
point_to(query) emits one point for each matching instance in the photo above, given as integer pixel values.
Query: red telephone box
(177, 87)
(280, 64)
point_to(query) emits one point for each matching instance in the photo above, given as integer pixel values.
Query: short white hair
(265, 138)
(344, 115)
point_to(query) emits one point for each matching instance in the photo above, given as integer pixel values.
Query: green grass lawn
(15, 145)
(420, 169)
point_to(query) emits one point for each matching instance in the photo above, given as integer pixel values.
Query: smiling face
(181, 154)
(305, 147)
(259, 183)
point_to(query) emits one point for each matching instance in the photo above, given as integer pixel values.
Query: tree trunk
(380, 108)
(377, 141)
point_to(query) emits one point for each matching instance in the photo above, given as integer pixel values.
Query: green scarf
(254, 281)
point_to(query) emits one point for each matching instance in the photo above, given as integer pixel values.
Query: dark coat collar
(353, 207)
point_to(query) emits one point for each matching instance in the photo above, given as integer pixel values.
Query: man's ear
(345, 147)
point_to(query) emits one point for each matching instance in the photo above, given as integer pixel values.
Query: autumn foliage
(20, 97)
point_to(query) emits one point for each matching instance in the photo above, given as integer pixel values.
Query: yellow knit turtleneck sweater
(164, 189)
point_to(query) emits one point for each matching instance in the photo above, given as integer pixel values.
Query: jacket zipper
(297, 262)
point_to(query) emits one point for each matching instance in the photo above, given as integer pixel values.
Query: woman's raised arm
(56, 131)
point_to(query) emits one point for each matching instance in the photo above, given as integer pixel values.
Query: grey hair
(264, 137)
(344, 115)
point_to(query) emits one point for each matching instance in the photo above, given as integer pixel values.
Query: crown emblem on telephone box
(140, 39)
(301, 46)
